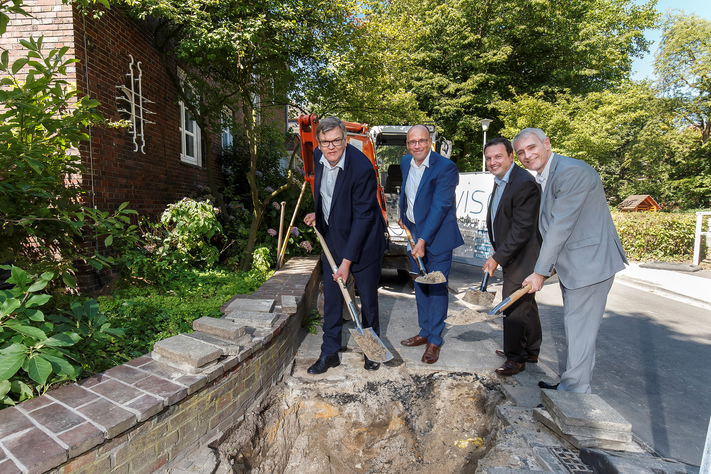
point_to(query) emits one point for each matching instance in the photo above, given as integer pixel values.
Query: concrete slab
(223, 328)
(288, 304)
(522, 422)
(584, 409)
(264, 306)
(252, 319)
(186, 350)
(586, 432)
(579, 441)
(522, 396)
(227, 347)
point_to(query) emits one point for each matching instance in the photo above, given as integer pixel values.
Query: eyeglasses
(413, 143)
(328, 143)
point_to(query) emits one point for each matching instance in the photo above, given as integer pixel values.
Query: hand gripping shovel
(513, 297)
(367, 340)
(426, 278)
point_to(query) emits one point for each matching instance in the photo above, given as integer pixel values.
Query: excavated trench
(393, 420)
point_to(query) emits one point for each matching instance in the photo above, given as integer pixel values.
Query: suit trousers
(522, 326)
(366, 282)
(583, 309)
(432, 300)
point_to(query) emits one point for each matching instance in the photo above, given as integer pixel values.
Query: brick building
(156, 161)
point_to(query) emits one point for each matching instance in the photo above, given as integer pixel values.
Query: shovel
(470, 316)
(480, 297)
(426, 278)
(369, 342)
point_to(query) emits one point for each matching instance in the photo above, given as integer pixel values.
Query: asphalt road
(651, 365)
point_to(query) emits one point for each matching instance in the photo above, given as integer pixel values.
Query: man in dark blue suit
(428, 209)
(349, 218)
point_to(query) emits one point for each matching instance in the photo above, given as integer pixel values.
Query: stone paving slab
(506, 470)
(81, 439)
(545, 417)
(263, 305)
(227, 347)
(252, 319)
(223, 328)
(288, 304)
(579, 441)
(523, 423)
(113, 419)
(522, 396)
(186, 350)
(584, 409)
(57, 418)
(13, 421)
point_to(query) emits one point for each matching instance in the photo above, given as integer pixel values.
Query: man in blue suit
(428, 209)
(349, 218)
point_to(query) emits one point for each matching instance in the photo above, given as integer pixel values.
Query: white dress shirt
(542, 178)
(496, 199)
(414, 176)
(328, 182)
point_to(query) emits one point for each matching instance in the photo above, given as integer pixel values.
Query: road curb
(661, 291)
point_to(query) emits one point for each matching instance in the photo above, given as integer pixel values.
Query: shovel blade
(371, 345)
(432, 278)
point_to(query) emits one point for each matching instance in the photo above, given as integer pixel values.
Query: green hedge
(660, 236)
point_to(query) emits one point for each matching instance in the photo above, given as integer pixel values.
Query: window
(189, 138)
(227, 137)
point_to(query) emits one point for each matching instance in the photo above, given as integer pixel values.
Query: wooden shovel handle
(515, 296)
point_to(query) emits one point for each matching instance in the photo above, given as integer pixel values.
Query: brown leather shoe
(431, 354)
(414, 341)
(531, 359)
(510, 368)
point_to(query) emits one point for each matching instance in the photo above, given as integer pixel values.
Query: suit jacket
(579, 237)
(435, 204)
(356, 229)
(516, 225)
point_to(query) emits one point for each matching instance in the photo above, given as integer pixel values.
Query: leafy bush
(42, 219)
(184, 238)
(36, 349)
(151, 313)
(656, 235)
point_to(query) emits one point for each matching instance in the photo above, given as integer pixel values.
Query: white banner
(473, 194)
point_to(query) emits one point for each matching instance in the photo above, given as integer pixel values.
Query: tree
(467, 54)
(235, 50)
(628, 134)
(683, 65)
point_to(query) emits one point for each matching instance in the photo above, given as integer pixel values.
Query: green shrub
(658, 236)
(37, 350)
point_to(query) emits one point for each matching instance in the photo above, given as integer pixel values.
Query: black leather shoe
(549, 386)
(370, 364)
(324, 363)
(531, 359)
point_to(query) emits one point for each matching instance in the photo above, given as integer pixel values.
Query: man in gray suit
(580, 241)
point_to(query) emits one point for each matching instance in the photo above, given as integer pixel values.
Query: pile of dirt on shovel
(390, 421)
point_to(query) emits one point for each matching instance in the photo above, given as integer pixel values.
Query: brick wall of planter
(143, 416)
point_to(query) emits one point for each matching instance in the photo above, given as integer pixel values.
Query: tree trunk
(207, 138)
(257, 211)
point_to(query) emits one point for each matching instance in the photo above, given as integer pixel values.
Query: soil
(394, 420)
(433, 277)
(479, 298)
(469, 316)
(370, 345)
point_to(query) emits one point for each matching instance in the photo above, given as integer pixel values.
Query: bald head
(419, 143)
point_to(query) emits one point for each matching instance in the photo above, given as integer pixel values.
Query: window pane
(190, 145)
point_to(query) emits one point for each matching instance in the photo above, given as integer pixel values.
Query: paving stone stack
(584, 419)
(245, 327)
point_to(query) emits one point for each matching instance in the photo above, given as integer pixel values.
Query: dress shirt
(414, 176)
(542, 178)
(328, 182)
(500, 186)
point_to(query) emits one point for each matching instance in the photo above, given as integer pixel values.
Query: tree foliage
(235, 50)
(683, 65)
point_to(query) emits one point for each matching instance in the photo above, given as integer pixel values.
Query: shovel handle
(341, 283)
(484, 282)
(514, 297)
(420, 265)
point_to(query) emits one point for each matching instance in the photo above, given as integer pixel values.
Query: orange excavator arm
(357, 135)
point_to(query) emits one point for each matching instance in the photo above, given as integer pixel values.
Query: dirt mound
(397, 421)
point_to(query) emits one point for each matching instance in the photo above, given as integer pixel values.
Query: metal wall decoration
(133, 95)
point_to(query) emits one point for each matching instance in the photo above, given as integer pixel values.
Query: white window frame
(184, 156)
